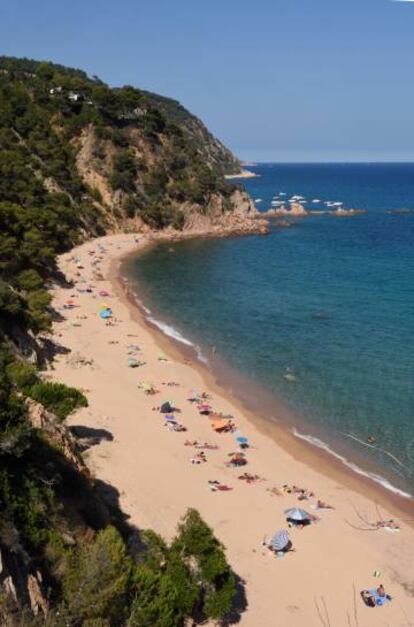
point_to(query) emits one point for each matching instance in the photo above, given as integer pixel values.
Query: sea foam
(364, 473)
(173, 333)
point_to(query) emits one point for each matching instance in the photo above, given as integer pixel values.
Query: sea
(319, 314)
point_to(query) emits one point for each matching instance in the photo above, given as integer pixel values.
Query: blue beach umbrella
(242, 440)
(295, 513)
(105, 313)
(280, 540)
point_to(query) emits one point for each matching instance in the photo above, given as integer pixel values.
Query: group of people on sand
(374, 597)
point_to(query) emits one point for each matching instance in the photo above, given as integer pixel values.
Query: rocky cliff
(121, 158)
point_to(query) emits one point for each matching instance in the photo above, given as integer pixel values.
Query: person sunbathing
(199, 458)
(375, 597)
(248, 478)
(207, 447)
(275, 491)
(322, 505)
(238, 460)
(216, 485)
(174, 426)
(387, 524)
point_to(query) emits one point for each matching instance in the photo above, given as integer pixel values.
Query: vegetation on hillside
(152, 157)
(58, 536)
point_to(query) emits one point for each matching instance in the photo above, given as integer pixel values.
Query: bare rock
(57, 433)
(38, 602)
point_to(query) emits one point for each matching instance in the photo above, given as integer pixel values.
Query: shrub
(21, 374)
(96, 580)
(197, 543)
(57, 397)
(124, 171)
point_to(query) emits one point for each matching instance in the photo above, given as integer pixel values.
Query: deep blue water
(321, 313)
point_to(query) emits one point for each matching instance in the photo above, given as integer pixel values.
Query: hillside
(116, 153)
(79, 159)
(214, 153)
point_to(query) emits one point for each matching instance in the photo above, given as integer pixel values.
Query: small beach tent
(105, 313)
(280, 540)
(133, 363)
(166, 408)
(297, 514)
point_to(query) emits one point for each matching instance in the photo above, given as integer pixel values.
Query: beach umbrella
(105, 313)
(295, 513)
(103, 293)
(242, 440)
(280, 540)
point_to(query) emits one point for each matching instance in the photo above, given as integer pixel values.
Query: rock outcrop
(296, 210)
(243, 219)
(57, 433)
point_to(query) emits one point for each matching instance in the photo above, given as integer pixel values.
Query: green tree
(205, 556)
(95, 584)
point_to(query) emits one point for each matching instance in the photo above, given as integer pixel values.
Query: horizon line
(324, 162)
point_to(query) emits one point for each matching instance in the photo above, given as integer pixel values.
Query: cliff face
(224, 207)
(117, 155)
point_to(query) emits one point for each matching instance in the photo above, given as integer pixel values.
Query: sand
(149, 466)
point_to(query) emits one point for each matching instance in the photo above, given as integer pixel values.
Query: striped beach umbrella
(280, 540)
(295, 513)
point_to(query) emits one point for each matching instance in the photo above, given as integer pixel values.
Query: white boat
(316, 200)
(258, 199)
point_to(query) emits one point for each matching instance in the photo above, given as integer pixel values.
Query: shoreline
(279, 450)
(319, 456)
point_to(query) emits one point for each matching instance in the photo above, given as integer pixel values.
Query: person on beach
(375, 597)
(322, 505)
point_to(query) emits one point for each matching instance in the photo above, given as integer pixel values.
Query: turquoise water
(322, 313)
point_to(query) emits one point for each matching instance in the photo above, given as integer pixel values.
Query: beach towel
(380, 601)
(372, 595)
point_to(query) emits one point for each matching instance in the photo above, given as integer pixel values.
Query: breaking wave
(364, 473)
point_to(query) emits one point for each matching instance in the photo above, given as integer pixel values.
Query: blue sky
(276, 80)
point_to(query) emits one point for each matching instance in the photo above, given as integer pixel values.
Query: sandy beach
(150, 466)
